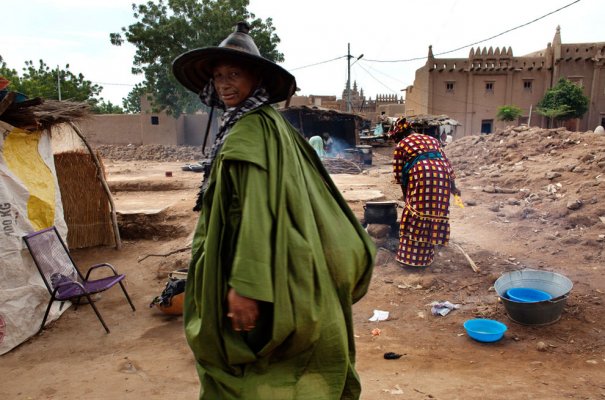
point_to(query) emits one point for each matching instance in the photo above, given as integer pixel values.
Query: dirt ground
(533, 198)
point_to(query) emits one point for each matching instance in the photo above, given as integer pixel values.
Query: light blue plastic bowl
(485, 330)
(527, 295)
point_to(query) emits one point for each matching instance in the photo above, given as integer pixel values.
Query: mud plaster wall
(139, 129)
(113, 129)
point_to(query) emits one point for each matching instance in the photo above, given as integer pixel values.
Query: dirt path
(146, 356)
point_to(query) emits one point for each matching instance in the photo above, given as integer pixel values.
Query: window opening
(527, 85)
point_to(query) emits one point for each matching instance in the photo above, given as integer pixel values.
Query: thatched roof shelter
(89, 214)
(438, 126)
(39, 114)
(432, 120)
(310, 121)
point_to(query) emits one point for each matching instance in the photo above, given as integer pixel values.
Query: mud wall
(142, 129)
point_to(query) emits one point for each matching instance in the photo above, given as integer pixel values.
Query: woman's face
(233, 83)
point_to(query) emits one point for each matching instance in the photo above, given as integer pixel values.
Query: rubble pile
(151, 152)
(554, 175)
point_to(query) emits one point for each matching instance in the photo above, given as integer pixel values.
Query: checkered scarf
(230, 116)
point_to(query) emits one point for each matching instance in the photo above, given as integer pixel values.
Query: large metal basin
(538, 313)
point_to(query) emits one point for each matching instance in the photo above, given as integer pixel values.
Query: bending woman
(427, 180)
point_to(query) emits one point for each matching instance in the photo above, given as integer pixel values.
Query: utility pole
(349, 56)
(348, 77)
(59, 81)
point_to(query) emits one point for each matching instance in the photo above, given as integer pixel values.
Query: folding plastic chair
(61, 276)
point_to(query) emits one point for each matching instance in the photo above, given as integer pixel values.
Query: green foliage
(132, 102)
(564, 101)
(103, 107)
(42, 81)
(555, 113)
(9, 74)
(168, 28)
(509, 113)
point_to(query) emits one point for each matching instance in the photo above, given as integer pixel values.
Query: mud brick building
(471, 90)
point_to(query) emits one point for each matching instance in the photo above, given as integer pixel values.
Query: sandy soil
(533, 199)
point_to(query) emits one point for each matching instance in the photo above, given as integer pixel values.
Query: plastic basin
(485, 330)
(527, 295)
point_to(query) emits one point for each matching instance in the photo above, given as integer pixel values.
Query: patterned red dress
(426, 175)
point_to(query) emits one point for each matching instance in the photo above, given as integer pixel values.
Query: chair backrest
(51, 257)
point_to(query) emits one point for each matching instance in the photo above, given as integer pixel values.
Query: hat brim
(194, 69)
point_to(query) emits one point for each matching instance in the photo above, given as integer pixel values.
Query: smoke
(337, 148)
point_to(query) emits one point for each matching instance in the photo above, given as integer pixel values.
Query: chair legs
(92, 304)
(127, 296)
(50, 303)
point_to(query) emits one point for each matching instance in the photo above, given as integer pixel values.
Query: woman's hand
(456, 191)
(243, 311)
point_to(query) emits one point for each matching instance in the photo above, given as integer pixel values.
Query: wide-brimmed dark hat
(193, 69)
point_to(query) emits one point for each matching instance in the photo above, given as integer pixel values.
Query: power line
(385, 74)
(483, 40)
(113, 84)
(321, 62)
(377, 80)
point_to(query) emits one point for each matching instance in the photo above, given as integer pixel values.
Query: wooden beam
(7, 101)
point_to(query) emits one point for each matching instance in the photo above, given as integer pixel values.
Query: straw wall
(85, 203)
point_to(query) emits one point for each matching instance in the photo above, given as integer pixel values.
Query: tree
(9, 74)
(554, 113)
(132, 102)
(564, 101)
(509, 113)
(42, 81)
(108, 107)
(166, 29)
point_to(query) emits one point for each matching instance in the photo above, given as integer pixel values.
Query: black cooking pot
(380, 212)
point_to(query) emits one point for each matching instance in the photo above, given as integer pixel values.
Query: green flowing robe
(275, 228)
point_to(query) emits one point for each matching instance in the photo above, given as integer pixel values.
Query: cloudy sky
(315, 35)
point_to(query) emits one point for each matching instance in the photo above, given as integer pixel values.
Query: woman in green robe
(278, 258)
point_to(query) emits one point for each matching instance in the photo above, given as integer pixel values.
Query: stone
(526, 213)
(552, 175)
(378, 230)
(513, 202)
(494, 207)
(574, 205)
